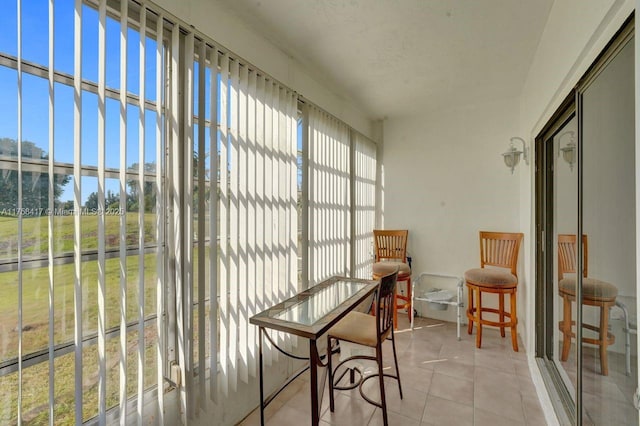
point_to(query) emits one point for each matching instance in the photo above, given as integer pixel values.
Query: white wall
(217, 22)
(445, 180)
(575, 33)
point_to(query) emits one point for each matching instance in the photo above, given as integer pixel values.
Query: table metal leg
(313, 367)
(260, 330)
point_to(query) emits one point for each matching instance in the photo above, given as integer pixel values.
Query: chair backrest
(568, 255)
(391, 244)
(500, 249)
(384, 314)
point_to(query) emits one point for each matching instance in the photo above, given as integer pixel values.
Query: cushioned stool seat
(591, 288)
(358, 327)
(490, 277)
(386, 268)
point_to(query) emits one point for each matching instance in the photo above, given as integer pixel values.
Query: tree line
(35, 186)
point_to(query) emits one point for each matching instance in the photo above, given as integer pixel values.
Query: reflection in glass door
(608, 223)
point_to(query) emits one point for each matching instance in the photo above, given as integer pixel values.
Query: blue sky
(35, 91)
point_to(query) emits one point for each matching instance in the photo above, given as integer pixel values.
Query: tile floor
(444, 382)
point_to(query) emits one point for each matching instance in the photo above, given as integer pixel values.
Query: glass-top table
(310, 314)
(319, 304)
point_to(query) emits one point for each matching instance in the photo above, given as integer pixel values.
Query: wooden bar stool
(496, 249)
(594, 293)
(391, 255)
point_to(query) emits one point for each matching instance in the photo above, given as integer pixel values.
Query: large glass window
(78, 235)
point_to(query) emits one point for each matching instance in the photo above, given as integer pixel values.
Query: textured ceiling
(396, 57)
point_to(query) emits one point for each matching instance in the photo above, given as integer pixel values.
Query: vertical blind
(329, 197)
(258, 211)
(250, 214)
(364, 209)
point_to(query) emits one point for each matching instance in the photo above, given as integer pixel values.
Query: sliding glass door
(586, 286)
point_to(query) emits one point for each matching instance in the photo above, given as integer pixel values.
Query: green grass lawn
(35, 231)
(35, 316)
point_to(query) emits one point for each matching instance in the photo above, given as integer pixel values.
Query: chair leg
(330, 375)
(478, 317)
(410, 309)
(514, 322)
(395, 308)
(566, 328)
(604, 325)
(470, 309)
(383, 400)
(395, 360)
(501, 309)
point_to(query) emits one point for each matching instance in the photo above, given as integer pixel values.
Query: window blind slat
(185, 303)
(224, 219)
(160, 221)
(292, 204)
(141, 212)
(201, 218)
(283, 191)
(50, 206)
(213, 226)
(325, 245)
(175, 233)
(140, 355)
(19, 206)
(271, 284)
(243, 278)
(233, 225)
(102, 316)
(252, 282)
(334, 225)
(77, 199)
(124, 17)
(311, 149)
(283, 340)
(260, 202)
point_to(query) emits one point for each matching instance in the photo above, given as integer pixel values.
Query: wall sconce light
(512, 156)
(569, 150)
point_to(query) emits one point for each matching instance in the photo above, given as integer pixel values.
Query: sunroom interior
(127, 281)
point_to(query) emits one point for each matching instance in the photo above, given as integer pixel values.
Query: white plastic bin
(437, 297)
